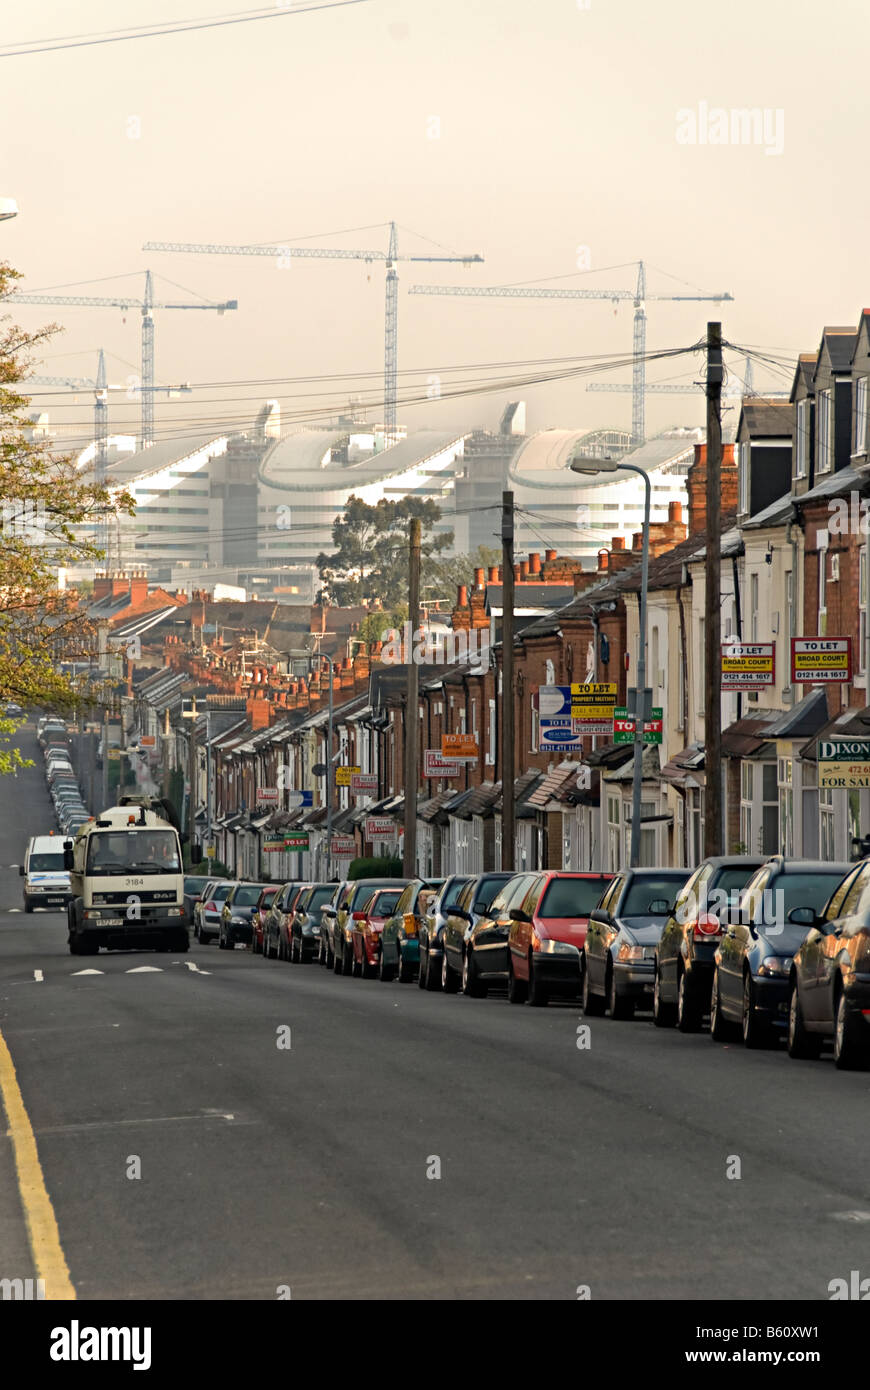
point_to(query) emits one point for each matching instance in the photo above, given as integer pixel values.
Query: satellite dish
(319, 769)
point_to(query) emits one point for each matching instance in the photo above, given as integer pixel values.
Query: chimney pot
(534, 562)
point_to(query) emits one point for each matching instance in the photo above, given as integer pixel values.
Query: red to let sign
(436, 765)
(364, 783)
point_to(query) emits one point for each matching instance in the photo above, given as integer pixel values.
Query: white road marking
(89, 972)
(145, 1120)
(141, 969)
(191, 965)
(37, 975)
(14, 909)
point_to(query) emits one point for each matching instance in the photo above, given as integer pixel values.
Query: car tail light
(705, 928)
(359, 916)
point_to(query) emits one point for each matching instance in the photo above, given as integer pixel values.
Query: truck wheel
(183, 943)
(28, 905)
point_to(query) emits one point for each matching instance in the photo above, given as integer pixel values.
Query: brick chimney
(696, 485)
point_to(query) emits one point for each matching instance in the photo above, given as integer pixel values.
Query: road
(305, 1168)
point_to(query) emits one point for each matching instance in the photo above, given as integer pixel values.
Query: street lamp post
(588, 464)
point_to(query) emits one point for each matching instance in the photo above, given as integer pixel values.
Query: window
(613, 833)
(743, 476)
(769, 809)
(862, 608)
(746, 790)
(789, 603)
(753, 607)
(859, 417)
(826, 823)
(786, 806)
(550, 676)
(823, 583)
(824, 433)
(802, 442)
(491, 734)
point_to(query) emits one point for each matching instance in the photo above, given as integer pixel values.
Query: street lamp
(330, 760)
(587, 464)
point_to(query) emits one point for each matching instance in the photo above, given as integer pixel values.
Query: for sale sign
(748, 665)
(844, 762)
(821, 659)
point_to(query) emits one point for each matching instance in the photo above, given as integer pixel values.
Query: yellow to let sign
(595, 688)
(344, 774)
(592, 711)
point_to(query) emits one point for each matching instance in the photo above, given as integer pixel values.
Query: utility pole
(712, 611)
(191, 801)
(165, 752)
(412, 718)
(508, 771)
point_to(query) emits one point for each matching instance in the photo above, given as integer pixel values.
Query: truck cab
(126, 882)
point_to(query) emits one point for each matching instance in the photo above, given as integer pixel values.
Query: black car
(476, 938)
(621, 940)
(238, 909)
(305, 927)
(829, 985)
(684, 957)
(754, 958)
(432, 925)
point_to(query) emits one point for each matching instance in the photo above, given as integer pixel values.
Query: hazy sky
(558, 130)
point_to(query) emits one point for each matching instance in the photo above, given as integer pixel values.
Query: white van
(46, 881)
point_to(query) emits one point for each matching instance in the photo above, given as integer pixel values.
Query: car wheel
(293, 950)
(689, 1014)
(405, 972)
(518, 990)
(449, 978)
(386, 973)
(346, 958)
(620, 1005)
(756, 1034)
(539, 997)
(664, 1015)
(851, 1052)
(472, 985)
(433, 974)
(423, 972)
(721, 1028)
(366, 971)
(593, 1004)
(355, 967)
(801, 1044)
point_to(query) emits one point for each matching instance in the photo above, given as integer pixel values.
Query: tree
(47, 508)
(441, 577)
(376, 624)
(370, 561)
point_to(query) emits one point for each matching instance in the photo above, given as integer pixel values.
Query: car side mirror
(600, 914)
(68, 858)
(461, 914)
(21, 870)
(330, 912)
(516, 914)
(803, 917)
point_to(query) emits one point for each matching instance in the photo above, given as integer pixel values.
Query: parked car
(261, 912)
(236, 914)
(13, 710)
(473, 903)
(193, 886)
(207, 912)
(399, 955)
(350, 901)
(304, 927)
(483, 937)
(684, 957)
(753, 961)
(829, 984)
(328, 913)
(279, 919)
(432, 925)
(621, 940)
(367, 924)
(547, 932)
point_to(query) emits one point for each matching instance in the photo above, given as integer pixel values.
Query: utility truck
(127, 880)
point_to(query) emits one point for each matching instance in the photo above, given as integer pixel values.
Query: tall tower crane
(146, 306)
(391, 317)
(740, 389)
(639, 297)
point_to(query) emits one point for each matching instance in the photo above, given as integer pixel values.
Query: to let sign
(436, 765)
(378, 828)
(748, 665)
(821, 659)
(343, 775)
(592, 708)
(267, 796)
(343, 846)
(363, 783)
(462, 747)
(844, 762)
(624, 726)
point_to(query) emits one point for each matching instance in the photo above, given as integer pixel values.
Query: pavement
(215, 1125)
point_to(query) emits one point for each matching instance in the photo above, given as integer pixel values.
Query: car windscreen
(571, 897)
(384, 904)
(320, 895)
(46, 863)
(799, 890)
(361, 892)
(655, 889)
(486, 890)
(220, 892)
(133, 851)
(451, 895)
(247, 895)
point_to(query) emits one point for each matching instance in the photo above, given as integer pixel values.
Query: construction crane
(639, 297)
(391, 316)
(742, 389)
(146, 306)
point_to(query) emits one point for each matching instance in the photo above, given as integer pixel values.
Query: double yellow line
(42, 1231)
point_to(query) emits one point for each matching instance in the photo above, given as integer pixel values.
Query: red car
(368, 923)
(548, 929)
(258, 918)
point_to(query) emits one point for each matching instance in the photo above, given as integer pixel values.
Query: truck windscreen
(133, 851)
(46, 863)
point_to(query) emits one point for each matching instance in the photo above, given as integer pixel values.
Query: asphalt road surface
(266, 1168)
